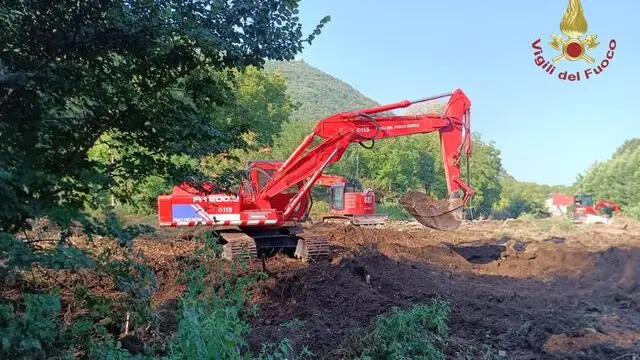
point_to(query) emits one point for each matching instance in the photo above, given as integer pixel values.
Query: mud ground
(517, 290)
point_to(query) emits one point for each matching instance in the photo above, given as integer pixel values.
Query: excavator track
(255, 243)
(312, 247)
(337, 219)
(238, 245)
(360, 220)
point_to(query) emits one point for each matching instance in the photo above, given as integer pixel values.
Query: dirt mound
(456, 251)
(549, 299)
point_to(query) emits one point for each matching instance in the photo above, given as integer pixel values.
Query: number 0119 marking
(225, 209)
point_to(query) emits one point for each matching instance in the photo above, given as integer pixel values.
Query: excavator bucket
(436, 214)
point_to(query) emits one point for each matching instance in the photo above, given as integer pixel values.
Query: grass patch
(551, 224)
(419, 332)
(530, 223)
(293, 323)
(394, 211)
(319, 209)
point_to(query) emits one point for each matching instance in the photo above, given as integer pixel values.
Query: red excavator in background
(583, 205)
(275, 197)
(347, 204)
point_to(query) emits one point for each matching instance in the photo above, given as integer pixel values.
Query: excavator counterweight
(275, 197)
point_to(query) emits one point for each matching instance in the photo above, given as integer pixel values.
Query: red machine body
(358, 203)
(607, 205)
(584, 205)
(192, 205)
(275, 195)
(348, 204)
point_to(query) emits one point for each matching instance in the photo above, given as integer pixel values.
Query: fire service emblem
(575, 45)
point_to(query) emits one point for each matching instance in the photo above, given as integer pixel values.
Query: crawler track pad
(370, 219)
(238, 245)
(433, 213)
(312, 248)
(356, 220)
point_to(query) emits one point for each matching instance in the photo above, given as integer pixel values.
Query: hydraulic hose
(377, 127)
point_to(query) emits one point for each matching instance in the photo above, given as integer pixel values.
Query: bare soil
(517, 290)
(542, 295)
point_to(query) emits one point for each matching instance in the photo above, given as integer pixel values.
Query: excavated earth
(516, 290)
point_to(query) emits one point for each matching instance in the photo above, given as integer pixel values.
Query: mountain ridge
(317, 93)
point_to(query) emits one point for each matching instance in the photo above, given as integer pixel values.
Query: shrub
(415, 333)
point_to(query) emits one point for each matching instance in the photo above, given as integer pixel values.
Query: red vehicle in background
(348, 204)
(583, 205)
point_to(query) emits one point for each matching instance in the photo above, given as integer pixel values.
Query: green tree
(519, 197)
(149, 77)
(142, 74)
(616, 179)
(290, 137)
(259, 98)
(485, 168)
(120, 94)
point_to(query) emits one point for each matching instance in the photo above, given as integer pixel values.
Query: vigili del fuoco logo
(575, 46)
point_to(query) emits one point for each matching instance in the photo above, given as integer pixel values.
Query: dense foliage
(617, 179)
(149, 78)
(520, 197)
(108, 102)
(415, 333)
(260, 106)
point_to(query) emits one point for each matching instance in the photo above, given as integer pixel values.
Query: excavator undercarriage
(358, 220)
(251, 243)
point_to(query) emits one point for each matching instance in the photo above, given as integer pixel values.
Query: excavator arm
(607, 204)
(336, 133)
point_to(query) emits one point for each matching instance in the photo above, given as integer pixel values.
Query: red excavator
(583, 206)
(347, 204)
(275, 197)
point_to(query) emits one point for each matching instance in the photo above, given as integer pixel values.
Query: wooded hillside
(316, 93)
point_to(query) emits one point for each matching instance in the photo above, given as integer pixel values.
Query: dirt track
(539, 294)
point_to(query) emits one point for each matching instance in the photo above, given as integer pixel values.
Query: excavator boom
(339, 131)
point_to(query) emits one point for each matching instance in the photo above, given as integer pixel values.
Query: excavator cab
(584, 200)
(336, 194)
(583, 205)
(347, 204)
